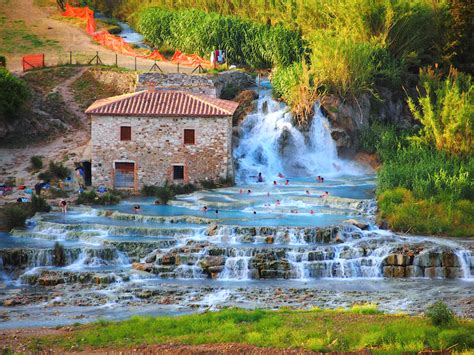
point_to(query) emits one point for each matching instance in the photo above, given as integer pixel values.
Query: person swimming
(204, 209)
(325, 194)
(274, 182)
(277, 203)
(281, 176)
(307, 192)
(136, 208)
(260, 177)
(249, 191)
(311, 212)
(287, 182)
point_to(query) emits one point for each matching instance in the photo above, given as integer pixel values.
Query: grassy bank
(361, 327)
(425, 184)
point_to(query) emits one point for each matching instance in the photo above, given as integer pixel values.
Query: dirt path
(68, 37)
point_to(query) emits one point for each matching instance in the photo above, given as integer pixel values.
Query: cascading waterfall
(271, 144)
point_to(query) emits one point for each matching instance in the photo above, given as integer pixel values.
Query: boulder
(142, 266)
(413, 271)
(358, 224)
(269, 239)
(168, 259)
(428, 259)
(212, 229)
(210, 261)
(449, 259)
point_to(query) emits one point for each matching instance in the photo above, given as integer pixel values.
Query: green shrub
(446, 111)
(208, 184)
(168, 191)
(59, 256)
(36, 162)
(149, 190)
(92, 198)
(39, 204)
(14, 94)
(15, 215)
(55, 171)
(440, 314)
(58, 170)
(3, 61)
(165, 193)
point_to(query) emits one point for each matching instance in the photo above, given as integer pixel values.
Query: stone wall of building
(157, 144)
(198, 84)
(205, 84)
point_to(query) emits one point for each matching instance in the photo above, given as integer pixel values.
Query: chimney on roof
(150, 85)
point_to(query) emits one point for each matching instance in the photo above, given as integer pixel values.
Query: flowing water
(287, 241)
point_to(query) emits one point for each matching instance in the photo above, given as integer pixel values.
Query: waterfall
(271, 144)
(237, 267)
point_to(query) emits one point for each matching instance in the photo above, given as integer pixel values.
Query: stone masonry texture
(157, 144)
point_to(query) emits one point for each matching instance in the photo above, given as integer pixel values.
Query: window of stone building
(178, 172)
(125, 133)
(189, 136)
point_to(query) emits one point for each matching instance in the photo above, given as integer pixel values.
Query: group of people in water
(286, 182)
(205, 209)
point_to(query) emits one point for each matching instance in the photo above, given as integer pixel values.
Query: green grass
(319, 330)
(403, 212)
(16, 37)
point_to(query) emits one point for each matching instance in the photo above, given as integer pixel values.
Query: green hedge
(246, 42)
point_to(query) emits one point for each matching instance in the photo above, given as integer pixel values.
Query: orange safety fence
(33, 61)
(83, 13)
(117, 44)
(193, 59)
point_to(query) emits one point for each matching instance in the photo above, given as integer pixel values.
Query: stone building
(152, 136)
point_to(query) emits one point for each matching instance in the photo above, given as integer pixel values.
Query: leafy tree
(13, 95)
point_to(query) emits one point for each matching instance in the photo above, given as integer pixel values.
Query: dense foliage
(13, 95)
(245, 42)
(446, 112)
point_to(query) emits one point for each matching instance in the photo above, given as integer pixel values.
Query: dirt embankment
(54, 125)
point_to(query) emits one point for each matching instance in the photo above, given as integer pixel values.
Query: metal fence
(118, 60)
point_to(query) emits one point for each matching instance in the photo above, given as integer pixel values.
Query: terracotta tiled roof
(163, 103)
